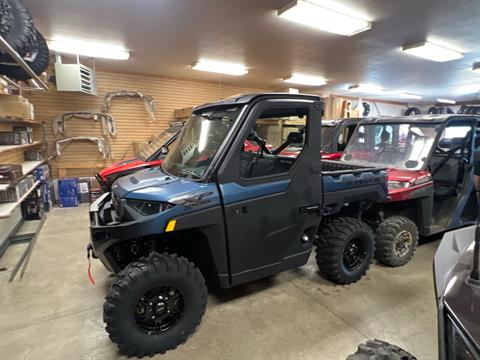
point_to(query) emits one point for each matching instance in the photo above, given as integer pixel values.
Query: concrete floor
(54, 312)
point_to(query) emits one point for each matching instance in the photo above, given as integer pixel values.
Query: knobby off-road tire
(38, 64)
(16, 27)
(380, 350)
(345, 249)
(391, 233)
(128, 307)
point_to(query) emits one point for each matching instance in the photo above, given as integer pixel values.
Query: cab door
(272, 193)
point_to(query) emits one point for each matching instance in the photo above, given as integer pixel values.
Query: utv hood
(155, 185)
(453, 264)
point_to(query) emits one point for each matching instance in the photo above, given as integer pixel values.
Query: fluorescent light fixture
(88, 48)
(365, 88)
(434, 52)
(308, 80)
(220, 67)
(405, 95)
(446, 101)
(476, 67)
(323, 18)
(293, 91)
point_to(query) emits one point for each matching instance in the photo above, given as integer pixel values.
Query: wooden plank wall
(82, 159)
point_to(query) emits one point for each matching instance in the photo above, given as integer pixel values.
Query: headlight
(398, 184)
(147, 208)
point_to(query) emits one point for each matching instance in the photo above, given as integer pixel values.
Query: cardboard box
(32, 155)
(16, 106)
(183, 113)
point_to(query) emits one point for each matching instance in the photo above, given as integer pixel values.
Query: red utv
(430, 178)
(335, 136)
(150, 155)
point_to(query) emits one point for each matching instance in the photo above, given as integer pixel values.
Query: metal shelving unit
(7, 209)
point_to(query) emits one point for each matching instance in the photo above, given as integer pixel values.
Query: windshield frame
(221, 149)
(167, 143)
(439, 130)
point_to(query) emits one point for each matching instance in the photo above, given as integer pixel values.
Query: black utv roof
(429, 119)
(347, 121)
(247, 98)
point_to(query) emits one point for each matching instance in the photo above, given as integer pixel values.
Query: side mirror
(164, 150)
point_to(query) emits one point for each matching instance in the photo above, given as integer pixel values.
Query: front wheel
(396, 238)
(155, 304)
(379, 350)
(345, 248)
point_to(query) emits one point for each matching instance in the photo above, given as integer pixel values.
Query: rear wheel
(380, 350)
(155, 304)
(345, 248)
(396, 239)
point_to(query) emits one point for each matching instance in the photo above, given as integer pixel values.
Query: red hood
(125, 165)
(407, 175)
(331, 156)
(409, 182)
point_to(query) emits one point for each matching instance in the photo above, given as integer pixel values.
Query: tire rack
(38, 84)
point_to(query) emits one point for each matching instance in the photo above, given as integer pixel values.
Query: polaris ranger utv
(335, 136)
(214, 210)
(430, 178)
(150, 155)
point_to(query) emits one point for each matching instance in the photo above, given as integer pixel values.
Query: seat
(445, 172)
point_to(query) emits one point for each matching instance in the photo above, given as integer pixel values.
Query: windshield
(146, 152)
(327, 136)
(397, 146)
(199, 141)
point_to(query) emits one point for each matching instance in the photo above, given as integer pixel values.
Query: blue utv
(218, 212)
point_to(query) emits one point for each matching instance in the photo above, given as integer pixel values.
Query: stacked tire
(18, 30)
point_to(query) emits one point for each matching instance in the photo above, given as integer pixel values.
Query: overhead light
(434, 52)
(476, 67)
(405, 95)
(293, 91)
(88, 48)
(308, 80)
(220, 67)
(366, 88)
(446, 101)
(323, 18)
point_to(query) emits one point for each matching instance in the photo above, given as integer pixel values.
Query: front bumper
(105, 230)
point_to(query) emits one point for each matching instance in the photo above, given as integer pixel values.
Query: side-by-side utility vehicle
(430, 178)
(335, 136)
(152, 154)
(219, 212)
(457, 291)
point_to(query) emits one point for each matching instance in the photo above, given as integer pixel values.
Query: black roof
(429, 119)
(246, 98)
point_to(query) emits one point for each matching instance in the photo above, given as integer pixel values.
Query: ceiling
(166, 36)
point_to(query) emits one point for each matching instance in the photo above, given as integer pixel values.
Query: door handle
(311, 209)
(242, 210)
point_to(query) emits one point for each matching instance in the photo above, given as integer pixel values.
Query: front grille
(117, 207)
